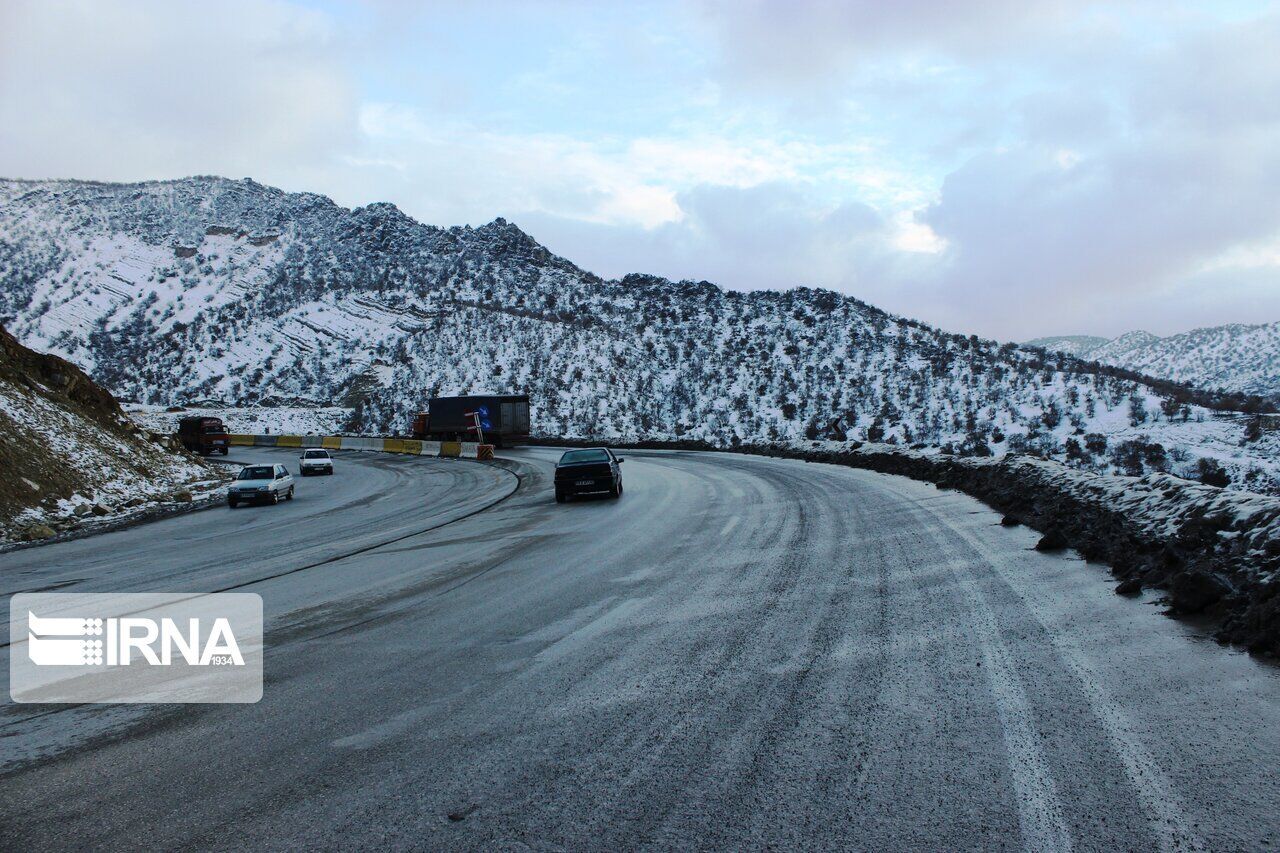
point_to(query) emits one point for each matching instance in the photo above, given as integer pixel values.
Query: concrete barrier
(412, 446)
(350, 442)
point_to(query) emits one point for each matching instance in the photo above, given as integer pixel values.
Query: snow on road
(741, 652)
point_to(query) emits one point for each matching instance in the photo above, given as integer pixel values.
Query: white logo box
(135, 647)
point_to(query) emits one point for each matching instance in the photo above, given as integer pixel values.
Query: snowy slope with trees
(1235, 357)
(208, 291)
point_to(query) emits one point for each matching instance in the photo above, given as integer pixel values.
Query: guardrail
(409, 446)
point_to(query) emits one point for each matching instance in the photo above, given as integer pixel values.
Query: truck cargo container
(504, 419)
(204, 435)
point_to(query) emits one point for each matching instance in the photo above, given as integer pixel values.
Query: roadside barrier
(409, 446)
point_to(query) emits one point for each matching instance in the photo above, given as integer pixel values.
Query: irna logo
(135, 647)
(93, 641)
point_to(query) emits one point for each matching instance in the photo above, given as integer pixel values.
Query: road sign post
(480, 417)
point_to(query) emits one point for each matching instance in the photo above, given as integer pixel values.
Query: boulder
(1194, 590)
(100, 509)
(1129, 586)
(1052, 540)
(182, 496)
(35, 532)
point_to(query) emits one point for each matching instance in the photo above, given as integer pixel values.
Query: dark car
(589, 471)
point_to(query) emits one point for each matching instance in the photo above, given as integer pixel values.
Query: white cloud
(123, 91)
(999, 166)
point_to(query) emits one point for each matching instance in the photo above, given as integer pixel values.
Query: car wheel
(275, 497)
(561, 497)
(233, 504)
(289, 496)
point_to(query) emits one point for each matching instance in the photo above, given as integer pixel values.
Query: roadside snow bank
(1214, 551)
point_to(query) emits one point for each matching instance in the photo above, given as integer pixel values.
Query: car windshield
(575, 456)
(216, 428)
(315, 454)
(257, 472)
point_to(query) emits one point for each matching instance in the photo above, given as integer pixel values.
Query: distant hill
(1078, 345)
(1235, 357)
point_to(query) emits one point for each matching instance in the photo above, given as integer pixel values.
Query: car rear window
(584, 456)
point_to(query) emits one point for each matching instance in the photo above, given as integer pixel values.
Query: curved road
(741, 652)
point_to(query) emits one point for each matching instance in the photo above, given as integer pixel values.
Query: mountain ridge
(211, 288)
(1241, 357)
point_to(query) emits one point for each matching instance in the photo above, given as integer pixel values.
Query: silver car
(260, 484)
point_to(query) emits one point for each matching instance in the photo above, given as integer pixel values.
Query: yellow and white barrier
(410, 446)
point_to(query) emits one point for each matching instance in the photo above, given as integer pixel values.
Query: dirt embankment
(68, 454)
(1214, 552)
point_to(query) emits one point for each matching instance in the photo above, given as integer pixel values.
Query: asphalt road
(739, 653)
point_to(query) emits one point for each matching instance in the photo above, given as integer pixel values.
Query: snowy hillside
(69, 456)
(1230, 358)
(1077, 345)
(211, 292)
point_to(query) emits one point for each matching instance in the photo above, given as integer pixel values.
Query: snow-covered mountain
(230, 292)
(1077, 345)
(1235, 357)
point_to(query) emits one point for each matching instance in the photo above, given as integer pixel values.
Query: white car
(315, 462)
(260, 483)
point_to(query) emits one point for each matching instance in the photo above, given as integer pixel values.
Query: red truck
(204, 435)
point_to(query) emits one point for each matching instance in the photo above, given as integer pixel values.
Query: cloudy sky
(1008, 167)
